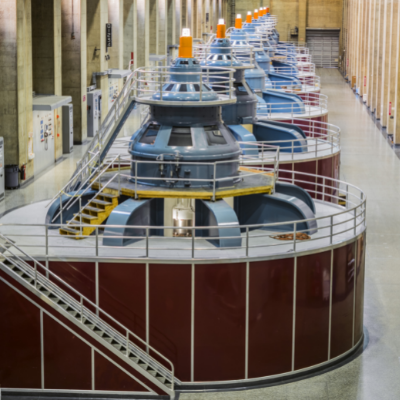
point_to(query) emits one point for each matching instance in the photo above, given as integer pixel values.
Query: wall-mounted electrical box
(68, 128)
(43, 129)
(94, 112)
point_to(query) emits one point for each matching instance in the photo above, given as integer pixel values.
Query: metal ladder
(36, 278)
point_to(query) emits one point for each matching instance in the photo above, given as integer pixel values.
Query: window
(196, 87)
(184, 63)
(214, 136)
(183, 88)
(181, 137)
(220, 58)
(169, 87)
(150, 135)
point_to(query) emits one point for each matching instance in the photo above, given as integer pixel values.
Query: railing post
(80, 215)
(136, 195)
(193, 237)
(81, 309)
(127, 343)
(97, 241)
(247, 241)
(201, 86)
(61, 210)
(47, 240)
(355, 221)
(147, 242)
(323, 189)
(119, 175)
(35, 275)
(214, 182)
(331, 233)
(294, 237)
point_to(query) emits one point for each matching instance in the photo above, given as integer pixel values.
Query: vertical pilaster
(115, 17)
(302, 20)
(386, 62)
(142, 39)
(394, 60)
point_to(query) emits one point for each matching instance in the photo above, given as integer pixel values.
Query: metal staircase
(94, 213)
(108, 132)
(86, 315)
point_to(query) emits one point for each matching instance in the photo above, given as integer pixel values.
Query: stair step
(70, 230)
(44, 291)
(107, 195)
(84, 216)
(101, 202)
(94, 209)
(134, 359)
(143, 365)
(161, 379)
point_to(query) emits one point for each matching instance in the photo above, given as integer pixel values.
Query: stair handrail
(99, 137)
(78, 195)
(76, 198)
(82, 298)
(61, 191)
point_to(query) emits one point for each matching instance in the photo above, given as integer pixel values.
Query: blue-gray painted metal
(220, 214)
(129, 214)
(178, 88)
(275, 208)
(279, 102)
(295, 191)
(199, 151)
(289, 69)
(243, 135)
(264, 131)
(284, 80)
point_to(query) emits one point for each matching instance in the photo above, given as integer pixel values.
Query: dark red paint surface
(270, 317)
(122, 294)
(342, 299)
(220, 301)
(67, 359)
(312, 309)
(79, 275)
(170, 315)
(359, 317)
(305, 181)
(19, 341)
(109, 377)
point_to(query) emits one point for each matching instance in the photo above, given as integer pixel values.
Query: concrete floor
(368, 162)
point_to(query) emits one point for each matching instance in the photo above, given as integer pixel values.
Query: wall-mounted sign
(108, 35)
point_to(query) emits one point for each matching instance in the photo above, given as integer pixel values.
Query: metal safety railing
(321, 140)
(43, 278)
(311, 105)
(309, 84)
(93, 153)
(210, 55)
(160, 81)
(334, 225)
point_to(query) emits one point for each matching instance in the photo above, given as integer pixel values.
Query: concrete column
(183, 14)
(369, 50)
(16, 81)
(386, 62)
(372, 56)
(302, 20)
(129, 10)
(154, 23)
(199, 19)
(115, 17)
(376, 55)
(142, 39)
(396, 105)
(172, 22)
(178, 21)
(214, 16)
(364, 61)
(207, 16)
(190, 16)
(394, 60)
(379, 60)
(74, 68)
